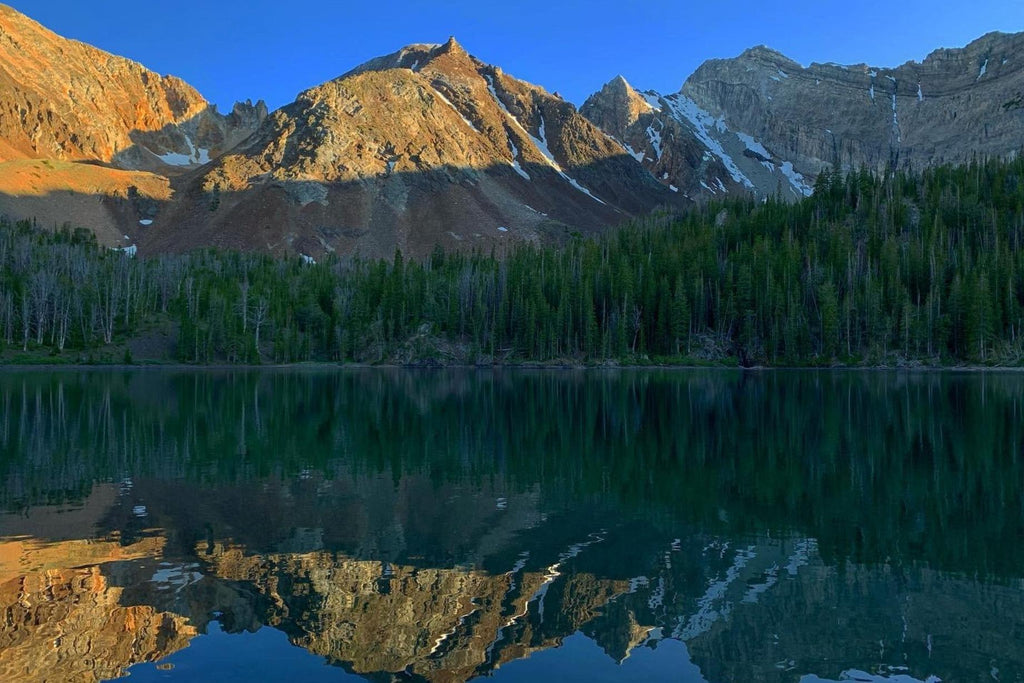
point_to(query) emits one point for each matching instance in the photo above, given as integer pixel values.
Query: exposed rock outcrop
(62, 99)
(953, 106)
(426, 146)
(682, 146)
(63, 621)
(763, 124)
(438, 624)
(92, 139)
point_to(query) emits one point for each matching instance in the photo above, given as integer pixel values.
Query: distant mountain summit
(686, 148)
(956, 104)
(763, 123)
(426, 146)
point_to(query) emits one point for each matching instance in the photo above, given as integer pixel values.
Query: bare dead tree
(260, 315)
(41, 286)
(62, 315)
(243, 303)
(7, 315)
(107, 301)
(26, 318)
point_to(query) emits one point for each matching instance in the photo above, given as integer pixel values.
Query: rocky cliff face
(437, 624)
(774, 125)
(62, 99)
(65, 621)
(687, 149)
(93, 139)
(953, 106)
(426, 146)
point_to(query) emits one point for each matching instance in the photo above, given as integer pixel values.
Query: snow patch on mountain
(540, 143)
(653, 100)
(796, 179)
(707, 128)
(515, 160)
(753, 145)
(655, 138)
(639, 156)
(461, 115)
(195, 157)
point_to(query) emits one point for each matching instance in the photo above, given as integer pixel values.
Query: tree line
(904, 267)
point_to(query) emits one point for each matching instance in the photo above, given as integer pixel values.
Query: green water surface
(389, 524)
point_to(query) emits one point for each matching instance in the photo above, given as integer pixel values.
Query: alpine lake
(329, 524)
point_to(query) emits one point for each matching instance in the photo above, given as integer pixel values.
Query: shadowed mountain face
(776, 527)
(763, 123)
(683, 147)
(955, 105)
(427, 146)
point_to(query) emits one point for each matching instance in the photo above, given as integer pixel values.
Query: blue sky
(233, 50)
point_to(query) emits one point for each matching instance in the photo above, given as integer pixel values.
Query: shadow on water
(450, 524)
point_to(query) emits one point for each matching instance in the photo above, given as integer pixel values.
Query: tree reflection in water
(450, 524)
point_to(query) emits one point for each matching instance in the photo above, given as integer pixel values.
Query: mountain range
(431, 146)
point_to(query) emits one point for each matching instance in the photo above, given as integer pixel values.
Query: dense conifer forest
(905, 269)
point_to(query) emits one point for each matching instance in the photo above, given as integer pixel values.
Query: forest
(900, 269)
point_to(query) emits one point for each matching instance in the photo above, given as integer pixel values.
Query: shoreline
(321, 366)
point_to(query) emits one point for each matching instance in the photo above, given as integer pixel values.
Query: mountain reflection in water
(699, 525)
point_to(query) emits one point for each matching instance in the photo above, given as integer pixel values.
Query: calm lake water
(447, 525)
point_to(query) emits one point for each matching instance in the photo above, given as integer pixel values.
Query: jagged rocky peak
(763, 53)
(620, 83)
(616, 107)
(62, 99)
(182, 146)
(249, 115)
(413, 57)
(428, 144)
(690, 149)
(452, 46)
